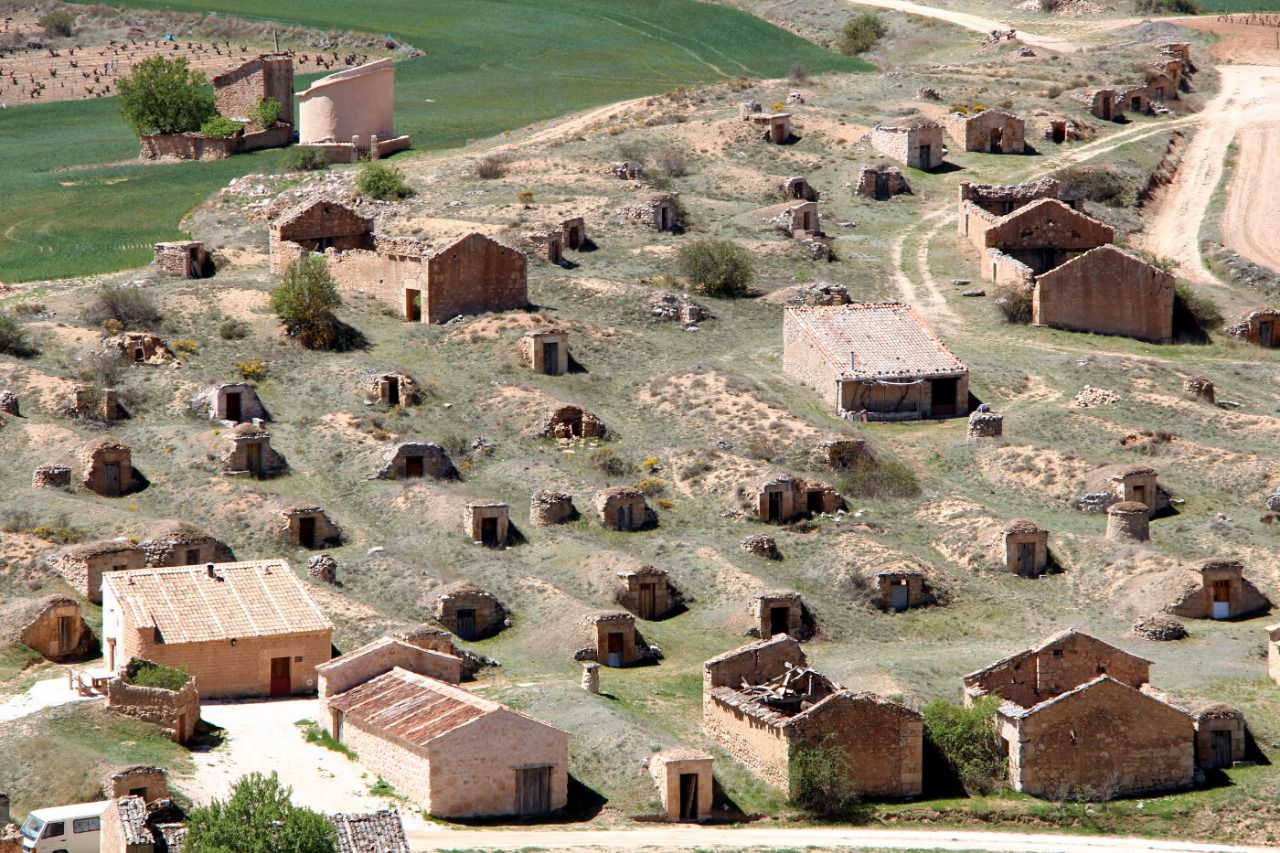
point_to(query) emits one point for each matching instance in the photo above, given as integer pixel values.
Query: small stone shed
(624, 508)
(1217, 589)
(317, 226)
(785, 498)
(106, 466)
(414, 460)
(685, 782)
(1103, 103)
(488, 523)
(184, 259)
(82, 566)
(549, 244)
(654, 210)
(469, 611)
(138, 780)
(245, 449)
(309, 526)
(990, 131)
(763, 704)
(1128, 522)
(881, 182)
(391, 389)
(774, 613)
(899, 589)
(1260, 326)
(774, 127)
(798, 187)
(236, 402)
(177, 543)
(573, 232)
(141, 347)
(568, 422)
(547, 508)
(917, 142)
(1115, 483)
(1025, 548)
(798, 218)
(546, 351)
(613, 640)
(645, 591)
(1222, 736)
(52, 626)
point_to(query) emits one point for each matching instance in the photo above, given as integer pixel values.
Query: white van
(64, 829)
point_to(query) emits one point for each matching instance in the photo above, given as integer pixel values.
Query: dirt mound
(728, 408)
(1040, 473)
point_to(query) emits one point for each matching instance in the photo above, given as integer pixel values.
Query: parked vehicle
(64, 829)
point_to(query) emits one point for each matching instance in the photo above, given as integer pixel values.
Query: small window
(54, 830)
(1102, 670)
(86, 824)
(1057, 653)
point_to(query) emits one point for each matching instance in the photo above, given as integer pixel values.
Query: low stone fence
(175, 712)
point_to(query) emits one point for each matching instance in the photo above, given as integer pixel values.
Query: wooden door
(1221, 750)
(575, 237)
(1139, 494)
(281, 682)
(615, 646)
(466, 623)
(111, 478)
(926, 156)
(551, 358)
(688, 796)
(1026, 558)
(413, 467)
(307, 531)
(489, 532)
(233, 406)
(1221, 599)
(648, 598)
(253, 458)
(64, 634)
(899, 596)
(1266, 331)
(533, 790)
(180, 733)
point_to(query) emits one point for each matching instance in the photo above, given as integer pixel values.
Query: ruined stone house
(317, 226)
(140, 348)
(106, 466)
(488, 523)
(234, 402)
(547, 508)
(1217, 589)
(774, 613)
(989, 202)
(246, 450)
(1103, 103)
(546, 351)
(799, 219)
(1060, 663)
(799, 188)
(1025, 548)
(1134, 99)
(391, 389)
(898, 589)
(917, 142)
(413, 460)
(612, 640)
(177, 543)
(82, 566)
(773, 127)
(308, 526)
(135, 824)
(1260, 326)
(376, 832)
(685, 783)
(242, 629)
(51, 477)
(548, 244)
(1161, 85)
(1106, 291)
(238, 92)
(763, 704)
(176, 712)
(1114, 483)
(469, 611)
(183, 259)
(52, 626)
(1062, 129)
(881, 182)
(1032, 240)
(573, 233)
(875, 360)
(654, 210)
(624, 508)
(570, 422)
(786, 498)
(990, 131)
(645, 591)
(352, 113)
(137, 780)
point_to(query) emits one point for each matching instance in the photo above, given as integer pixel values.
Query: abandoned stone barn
(1112, 484)
(469, 611)
(918, 142)
(1103, 103)
(242, 629)
(413, 460)
(881, 182)
(774, 613)
(996, 200)
(177, 543)
(1258, 327)
(308, 526)
(773, 127)
(546, 351)
(876, 360)
(234, 402)
(685, 783)
(1106, 291)
(352, 113)
(82, 566)
(183, 259)
(569, 422)
(453, 753)
(624, 508)
(1217, 589)
(316, 226)
(106, 466)
(1032, 240)
(52, 626)
(238, 92)
(763, 704)
(1075, 720)
(785, 498)
(645, 591)
(245, 449)
(990, 131)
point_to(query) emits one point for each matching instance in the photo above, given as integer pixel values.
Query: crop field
(89, 207)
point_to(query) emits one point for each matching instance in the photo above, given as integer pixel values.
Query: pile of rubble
(1090, 396)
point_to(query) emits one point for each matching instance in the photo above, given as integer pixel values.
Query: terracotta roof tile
(869, 340)
(412, 707)
(378, 832)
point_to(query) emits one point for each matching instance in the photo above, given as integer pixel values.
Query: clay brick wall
(370, 661)
(84, 573)
(175, 712)
(883, 741)
(238, 91)
(1109, 292)
(474, 276)
(803, 361)
(473, 769)
(761, 748)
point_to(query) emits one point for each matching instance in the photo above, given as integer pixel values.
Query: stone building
(624, 508)
(774, 127)
(309, 526)
(140, 347)
(1129, 522)
(774, 613)
(1076, 717)
(786, 498)
(378, 657)
(1258, 327)
(645, 591)
(1032, 240)
(1060, 129)
(654, 210)
(377, 832)
(51, 477)
(82, 566)
(238, 92)
(106, 466)
(352, 112)
(234, 402)
(569, 422)
(413, 460)
(984, 423)
(1102, 103)
(242, 629)
(763, 705)
(613, 640)
(573, 232)
(1106, 291)
(488, 523)
(881, 182)
(685, 783)
(177, 543)
(469, 611)
(245, 449)
(990, 131)
(52, 626)
(1115, 483)
(917, 142)
(546, 351)
(898, 590)
(799, 188)
(176, 712)
(391, 389)
(184, 259)
(799, 219)
(1222, 736)
(874, 361)
(1217, 589)
(547, 508)
(316, 226)
(982, 204)
(1025, 548)
(137, 780)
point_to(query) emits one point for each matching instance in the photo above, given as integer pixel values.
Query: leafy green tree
(306, 301)
(381, 181)
(715, 267)
(967, 741)
(164, 96)
(258, 817)
(862, 33)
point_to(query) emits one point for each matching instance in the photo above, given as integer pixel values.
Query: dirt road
(976, 23)
(1251, 221)
(661, 837)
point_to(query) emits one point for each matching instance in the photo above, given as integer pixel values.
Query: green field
(1238, 6)
(78, 203)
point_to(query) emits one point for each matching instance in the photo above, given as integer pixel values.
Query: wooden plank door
(281, 682)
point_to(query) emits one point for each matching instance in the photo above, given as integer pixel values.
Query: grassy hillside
(88, 207)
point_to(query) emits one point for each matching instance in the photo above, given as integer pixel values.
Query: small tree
(164, 96)
(59, 22)
(220, 127)
(967, 741)
(381, 181)
(306, 301)
(862, 33)
(303, 158)
(822, 780)
(258, 817)
(13, 338)
(266, 113)
(715, 267)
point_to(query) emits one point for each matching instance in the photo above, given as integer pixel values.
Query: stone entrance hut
(654, 210)
(918, 142)
(984, 423)
(1115, 483)
(685, 783)
(614, 640)
(990, 131)
(763, 704)
(548, 243)
(1218, 589)
(567, 422)
(309, 527)
(785, 498)
(317, 226)
(1222, 736)
(573, 232)
(624, 508)
(1128, 521)
(176, 712)
(184, 259)
(645, 591)
(1261, 326)
(798, 188)
(242, 629)
(83, 565)
(180, 544)
(799, 219)
(141, 347)
(1106, 291)
(139, 780)
(1033, 240)
(245, 449)
(547, 508)
(1101, 103)
(1026, 548)
(488, 523)
(391, 389)
(874, 361)
(881, 182)
(235, 402)
(107, 467)
(470, 612)
(414, 460)
(1134, 99)
(774, 613)
(774, 127)
(546, 351)
(52, 626)
(352, 112)
(902, 589)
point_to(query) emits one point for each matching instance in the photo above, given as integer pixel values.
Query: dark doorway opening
(307, 531)
(775, 506)
(814, 502)
(1027, 559)
(688, 796)
(489, 532)
(995, 141)
(942, 396)
(233, 406)
(614, 650)
(779, 620)
(414, 467)
(413, 306)
(899, 596)
(466, 619)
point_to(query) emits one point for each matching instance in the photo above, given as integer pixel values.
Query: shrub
(1014, 302)
(525, 197)
(102, 367)
(185, 346)
(164, 96)
(125, 307)
(144, 673)
(266, 113)
(607, 462)
(1097, 185)
(823, 781)
(258, 816)
(381, 181)
(13, 338)
(672, 161)
(878, 478)
(306, 301)
(59, 531)
(799, 74)
(59, 22)
(715, 267)
(1053, 91)
(652, 486)
(303, 159)
(860, 34)
(967, 742)
(251, 369)
(232, 329)
(220, 127)
(492, 167)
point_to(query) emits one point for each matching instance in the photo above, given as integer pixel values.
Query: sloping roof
(869, 340)
(133, 820)
(249, 64)
(302, 207)
(1102, 682)
(378, 832)
(1033, 209)
(377, 66)
(260, 598)
(441, 248)
(412, 707)
(1054, 640)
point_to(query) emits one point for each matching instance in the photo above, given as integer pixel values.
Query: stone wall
(43, 631)
(1058, 667)
(1109, 292)
(547, 508)
(879, 402)
(629, 593)
(186, 146)
(107, 467)
(882, 741)
(404, 766)
(761, 748)
(974, 132)
(487, 613)
(918, 592)
(176, 712)
(1215, 719)
(881, 182)
(474, 276)
(904, 145)
(186, 259)
(82, 567)
(1047, 225)
(600, 627)
(1128, 521)
(223, 670)
(399, 462)
(211, 402)
(762, 607)
(804, 362)
(668, 766)
(624, 508)
(533, 352)
(238, 91)
(754, 663)
(381, 656)
(474, 515)
(237, 456)
(185, 547)
(1007, 271)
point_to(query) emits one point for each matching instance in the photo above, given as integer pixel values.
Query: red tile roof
(873, 340)
(412, 707)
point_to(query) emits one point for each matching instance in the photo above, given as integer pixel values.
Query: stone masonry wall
(883, 741)
(473, 769)
(474, 276)
(802, 361)
(1108, 292)
(761, 748)
(225, 671)
(364, 664)
(165, 708)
